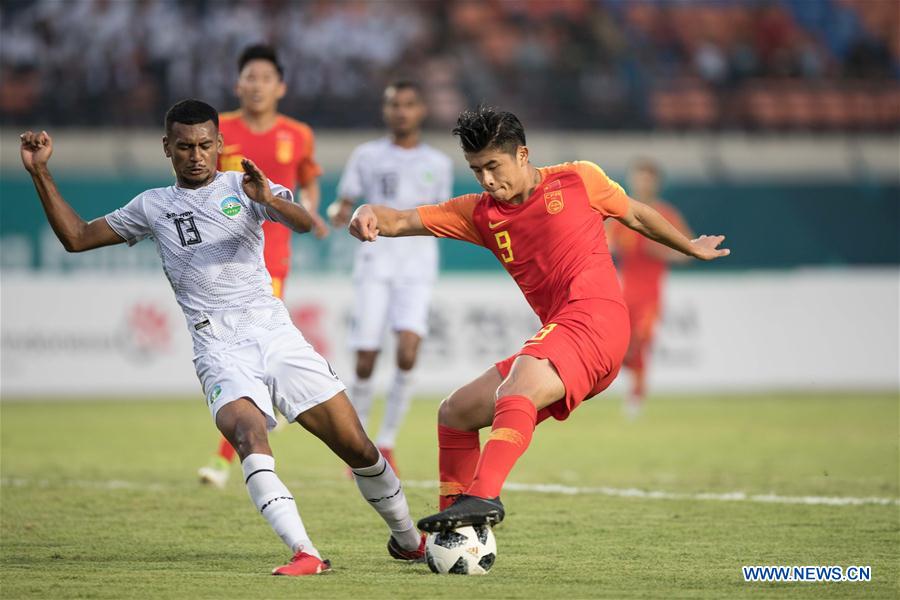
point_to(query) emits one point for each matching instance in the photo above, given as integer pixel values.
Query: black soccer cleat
(467, 510)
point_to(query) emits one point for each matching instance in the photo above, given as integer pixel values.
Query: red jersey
(285, 154)
(641, 261)
(553, 244)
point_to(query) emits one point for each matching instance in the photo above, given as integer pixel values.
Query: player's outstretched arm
(648, 222)
(371, 220)
(667, 254)
(256, 186)
(309, 198)
(76, 234)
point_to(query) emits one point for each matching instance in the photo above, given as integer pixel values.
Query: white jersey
(210, 241)
(380, 172)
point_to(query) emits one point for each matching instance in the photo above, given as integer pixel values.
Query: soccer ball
(464, 551)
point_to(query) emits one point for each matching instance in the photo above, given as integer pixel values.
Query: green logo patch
(231, 206)
(214, 394)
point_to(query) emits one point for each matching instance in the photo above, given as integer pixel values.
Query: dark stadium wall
(769, 225)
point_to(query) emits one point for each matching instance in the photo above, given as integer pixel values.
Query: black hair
(486, 127)
(191, 112)
(404, 84)
(260, 52)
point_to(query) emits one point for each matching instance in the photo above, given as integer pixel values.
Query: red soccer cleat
(397, 551)
(388, 454)
(303, 564)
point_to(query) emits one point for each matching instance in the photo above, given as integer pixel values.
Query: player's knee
(365, 364)
(406, 359)
(445, 411)
(250, 439)
(451, 413)
(360, 452)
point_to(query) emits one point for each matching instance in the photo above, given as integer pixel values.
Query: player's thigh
(234, 373)
(371, 303)
(536, 379)
(298, 377)
(643, 319)
(409, 305)
(336, 423)
(471, 406)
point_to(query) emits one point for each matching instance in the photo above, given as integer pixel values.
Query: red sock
(458, 453)
(514, 421)
(226, 451)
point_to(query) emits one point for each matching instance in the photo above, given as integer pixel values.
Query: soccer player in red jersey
(643, 265)
(283, 150)
(545, 226)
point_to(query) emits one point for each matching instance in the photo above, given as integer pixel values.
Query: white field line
(555, 488)
(539, 488)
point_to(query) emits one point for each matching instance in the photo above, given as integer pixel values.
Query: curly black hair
(190, 112)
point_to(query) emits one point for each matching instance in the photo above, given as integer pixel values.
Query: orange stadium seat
(691, 105)
(863, 109)
(764, 108)
(889, 108)
(799, 106)
(835, 113)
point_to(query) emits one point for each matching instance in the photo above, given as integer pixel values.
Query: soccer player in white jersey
(393, 277)
(249, 358)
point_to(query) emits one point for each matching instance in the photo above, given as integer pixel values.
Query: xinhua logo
(231, 206)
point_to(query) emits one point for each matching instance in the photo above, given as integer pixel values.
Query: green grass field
(99, 500)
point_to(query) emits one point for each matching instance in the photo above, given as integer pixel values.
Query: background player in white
(248, 356)
(392, 277)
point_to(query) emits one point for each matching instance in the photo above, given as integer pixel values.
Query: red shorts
(643, 316)
(586, 343)
(277, 249)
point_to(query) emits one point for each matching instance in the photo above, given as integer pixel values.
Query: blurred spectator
(560, 63)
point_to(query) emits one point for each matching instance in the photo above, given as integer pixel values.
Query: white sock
(381, 488)
(397, 405)
(275, 502)
(361, 394)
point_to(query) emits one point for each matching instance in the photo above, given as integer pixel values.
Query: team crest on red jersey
(554, 202)
(284, 149)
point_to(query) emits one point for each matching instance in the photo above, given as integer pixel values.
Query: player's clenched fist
(364, 224)
(36, 149)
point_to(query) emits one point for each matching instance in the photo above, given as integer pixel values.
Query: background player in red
(283, 149)
(642, 265)
(545, 226)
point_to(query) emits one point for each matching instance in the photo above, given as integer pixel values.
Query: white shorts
(278, 370)
(379, 302)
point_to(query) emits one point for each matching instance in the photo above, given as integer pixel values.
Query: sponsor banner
(125, 336)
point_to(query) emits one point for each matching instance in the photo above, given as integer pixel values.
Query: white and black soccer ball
(464, 551)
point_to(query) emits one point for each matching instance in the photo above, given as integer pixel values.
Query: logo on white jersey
(214, 394)
(231, 206)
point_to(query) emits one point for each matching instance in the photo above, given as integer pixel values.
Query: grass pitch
(100, 500)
